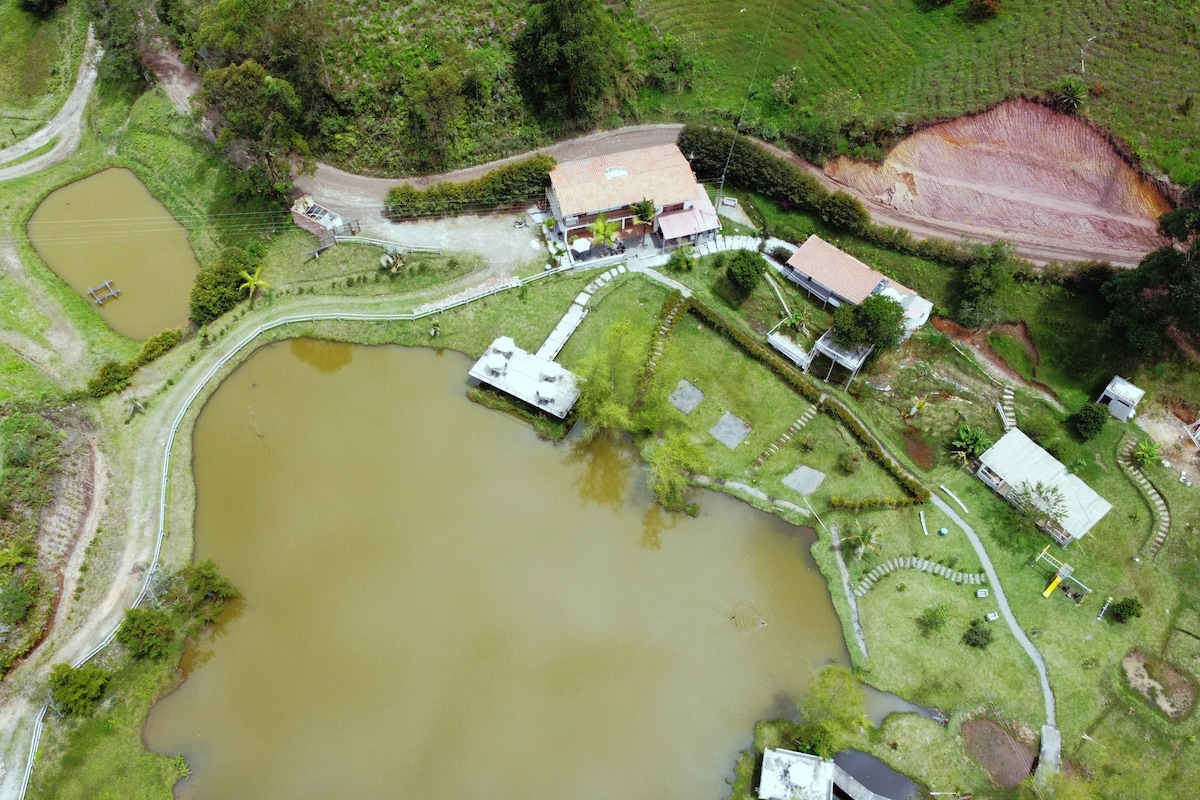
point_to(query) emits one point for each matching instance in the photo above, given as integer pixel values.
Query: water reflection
(605, 471)
(439, 603)
(325, 355)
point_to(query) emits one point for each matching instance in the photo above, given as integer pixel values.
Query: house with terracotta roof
(580, 191)
(836, 278)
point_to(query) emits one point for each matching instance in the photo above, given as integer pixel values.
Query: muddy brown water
(438, 603)
(108, 227)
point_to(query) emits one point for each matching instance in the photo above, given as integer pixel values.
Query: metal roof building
(1016, 461)
(1122, 398)
(540, 382)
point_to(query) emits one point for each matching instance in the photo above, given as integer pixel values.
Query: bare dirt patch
(1163, 686)
(1006, 758)
(1165, 424)
(1019, 171)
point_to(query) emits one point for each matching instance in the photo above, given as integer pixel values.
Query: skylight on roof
(615, 172)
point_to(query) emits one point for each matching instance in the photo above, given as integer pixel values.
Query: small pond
(438, 604)
(108, 227)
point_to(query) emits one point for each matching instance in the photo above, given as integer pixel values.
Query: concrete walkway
(1006, 612)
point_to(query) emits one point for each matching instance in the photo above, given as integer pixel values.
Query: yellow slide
(1053, 585)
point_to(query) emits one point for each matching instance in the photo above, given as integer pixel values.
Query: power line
(746, 101)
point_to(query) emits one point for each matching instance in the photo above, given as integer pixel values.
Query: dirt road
(66, 125)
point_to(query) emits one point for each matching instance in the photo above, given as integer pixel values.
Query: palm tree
(863, 540)
(604, 233)
(1146, 453)
(643, 214)
(254, 284)
(1069, 95)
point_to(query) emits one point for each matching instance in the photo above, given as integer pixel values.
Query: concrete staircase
(1161, 513)
(1010, 413)
(921, 565)
(787, 435)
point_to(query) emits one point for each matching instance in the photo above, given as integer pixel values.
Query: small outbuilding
(1122, 398)
(788, 775)
(1016, 462)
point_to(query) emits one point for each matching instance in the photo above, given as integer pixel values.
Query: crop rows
(931, 64)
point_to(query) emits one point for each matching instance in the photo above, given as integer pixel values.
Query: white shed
(1122, 398)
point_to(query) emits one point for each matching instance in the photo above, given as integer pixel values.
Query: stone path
(787, 435)
(912, 562)
(1002, 601)
(666, 325)
(1161, 513)
(571, 320)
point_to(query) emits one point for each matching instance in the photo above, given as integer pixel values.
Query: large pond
(108, 227)
(438, 604)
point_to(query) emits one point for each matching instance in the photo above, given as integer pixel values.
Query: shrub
(157, 345)
(498, 188)
(78, 690)
(781, 253)
(146, 632)
(1089, 420)
(206, 591)
(1125, 609)
(849, 461)
(840, 503)
(844, 211)
(1146, 453)
(744, 270)
(979, 635)
(216, 290)
(981, 9)
(17, 596)
(682, 260)
(113, 376)
(932, 620)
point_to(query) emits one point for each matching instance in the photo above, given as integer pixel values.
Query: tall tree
(570, 58)
(257, 115)
(1164, 290)
(877, 321)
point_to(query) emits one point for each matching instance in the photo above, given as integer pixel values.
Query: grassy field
(38, 60)
(895, 59)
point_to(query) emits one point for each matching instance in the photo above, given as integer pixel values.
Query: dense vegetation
(30, 461)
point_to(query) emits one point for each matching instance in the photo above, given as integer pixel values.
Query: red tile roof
(601, 183)
(838, 271)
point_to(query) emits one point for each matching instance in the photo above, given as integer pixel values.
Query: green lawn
(1013, 353)
(895, 59)
(38, 60)
(20, 379)
(102, 757)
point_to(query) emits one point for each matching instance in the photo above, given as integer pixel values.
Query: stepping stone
(621, 269)
(804, 480)
(730, 430)
(685, 397)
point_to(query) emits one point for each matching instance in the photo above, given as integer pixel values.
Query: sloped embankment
(1020, 171)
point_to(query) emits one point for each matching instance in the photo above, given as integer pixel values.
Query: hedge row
(753, 168)
(910, 483)
(839, 503)
(764, 354)
(755, 349)
(501, 187)
(113, 376)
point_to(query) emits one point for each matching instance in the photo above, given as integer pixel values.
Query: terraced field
(877, 57)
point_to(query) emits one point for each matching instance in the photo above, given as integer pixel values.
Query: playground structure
(1061, 571)
(109, 293)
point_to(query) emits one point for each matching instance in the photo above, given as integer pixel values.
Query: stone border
(921, 565)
